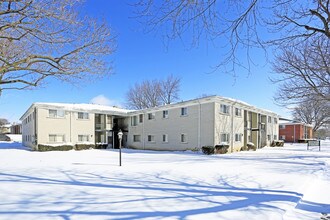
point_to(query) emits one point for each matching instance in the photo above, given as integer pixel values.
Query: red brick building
(295, 131)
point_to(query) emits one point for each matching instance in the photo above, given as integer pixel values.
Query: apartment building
(70, 124)
(201, 122)
(291, 131)
(186, 125)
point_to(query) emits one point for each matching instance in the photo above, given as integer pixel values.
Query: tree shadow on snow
(149, 189)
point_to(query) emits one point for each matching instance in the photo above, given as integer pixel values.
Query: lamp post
(120, 136)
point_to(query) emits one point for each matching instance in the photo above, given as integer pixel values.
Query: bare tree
(48, 38)
(304, 71)
(170, 88)
(153, 93)
(3, 121)
(240, 24)
(314, 112)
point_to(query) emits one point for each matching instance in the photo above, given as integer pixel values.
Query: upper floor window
(83, 115)
(282, 126)
(165, 114)
(184, 111)
(151, 116)
(224, 137)
(224, 108)
(275, 120)
(141, 118)
(238, 112)
(56, 113)
(269, 119)
(134, 120)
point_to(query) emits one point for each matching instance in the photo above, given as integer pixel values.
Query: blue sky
(140, 56)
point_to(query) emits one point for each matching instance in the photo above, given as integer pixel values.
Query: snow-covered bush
(42, 147)
(251, 146)
(84, 146)
(208, 150)
(221, 148)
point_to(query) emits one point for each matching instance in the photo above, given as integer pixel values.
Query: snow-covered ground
(271, 183)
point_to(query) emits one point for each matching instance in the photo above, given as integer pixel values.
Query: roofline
(207, 99)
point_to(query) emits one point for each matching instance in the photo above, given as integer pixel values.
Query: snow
(288, 182)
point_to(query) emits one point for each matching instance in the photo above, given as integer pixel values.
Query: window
(141, 118)
(165, 138)
(55, 138)
(151, 138)
(134, 120)
(282, 126)
(224, 109)
(183, 138)
(275, 137)
(83, 138)
(136, 138)
(275, 120)
(282, 137)
(184, 111)
(238, 137)
(151, 116)
(268, 137)
(56, 113)
(238, 112)
(165, 114)
(249, 138)
(224, 137)
(269, 119)
(83, 115)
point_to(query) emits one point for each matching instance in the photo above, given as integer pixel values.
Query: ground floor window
(136, 138)
(268, 137)
(151, 138)
(224, 137)
(83, 138)
(183, 138)
(165, 138)
(238, 137)
(282, 137)
(56, 138)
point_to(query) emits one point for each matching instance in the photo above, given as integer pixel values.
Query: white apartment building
(186, 125)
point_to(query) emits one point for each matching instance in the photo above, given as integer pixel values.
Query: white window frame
(224, 137)
(83, 138)
(238, 137)
(136, 138)
(56, 113)
(184, 111)
(238, 112)
(183, 138)
(56, 138)
(269, 119)
(151, 116)
(165, 114)
(165, 138)
(282, 126)
(224, 109)
(134, 120)
(151, 138)
(83, 115)
(140, 118)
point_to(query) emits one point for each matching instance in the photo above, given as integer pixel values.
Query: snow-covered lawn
(271, 183)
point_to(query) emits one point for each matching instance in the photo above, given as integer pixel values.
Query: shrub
(84, 146)
(251, 146)
(277, 143)
(208, 150)
(244, 148)
(221, 149)
(101, 146)
(42, 147)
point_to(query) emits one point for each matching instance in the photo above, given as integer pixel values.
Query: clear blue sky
(141, 56)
